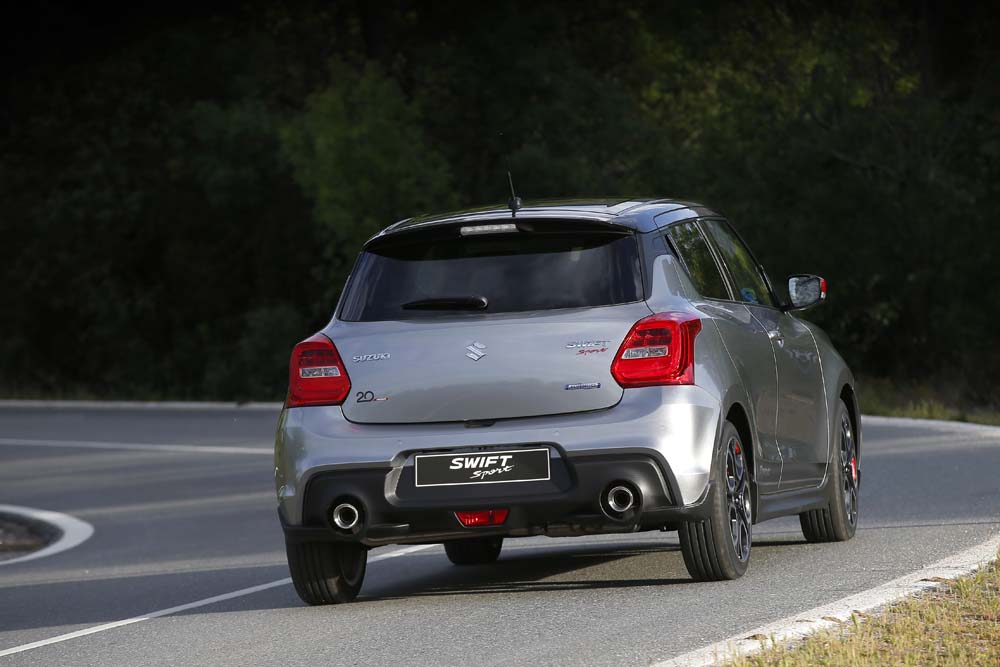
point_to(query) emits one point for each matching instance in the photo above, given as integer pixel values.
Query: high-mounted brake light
(316, 374)
(504, 228)
(659, 350)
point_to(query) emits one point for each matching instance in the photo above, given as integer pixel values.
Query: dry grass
(956, 625)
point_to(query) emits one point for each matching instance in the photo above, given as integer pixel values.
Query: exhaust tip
(620, 499)
(346, 516)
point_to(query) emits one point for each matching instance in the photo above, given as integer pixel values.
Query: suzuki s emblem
(475, 351)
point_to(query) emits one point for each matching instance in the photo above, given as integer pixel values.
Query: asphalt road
(192, 517)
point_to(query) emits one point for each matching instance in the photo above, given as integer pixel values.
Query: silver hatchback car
(564, 368)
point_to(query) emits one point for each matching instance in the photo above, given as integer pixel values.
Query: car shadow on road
(522, 570)
(765, 543)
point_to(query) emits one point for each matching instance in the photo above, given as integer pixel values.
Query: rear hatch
(457, 324)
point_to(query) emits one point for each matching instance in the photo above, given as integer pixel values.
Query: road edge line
(942, 424)
(137, 446)
(832, 615)
(74, 532)
(252, 406)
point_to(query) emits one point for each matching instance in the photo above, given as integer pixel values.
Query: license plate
(517, 465)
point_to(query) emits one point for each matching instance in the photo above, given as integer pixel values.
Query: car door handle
(776, 337)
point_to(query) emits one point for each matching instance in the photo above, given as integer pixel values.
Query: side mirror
(805, 291)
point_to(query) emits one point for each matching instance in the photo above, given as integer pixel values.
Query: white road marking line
(401, 552)
(137, 446)
(937, 440)
(147, 568)
(926, 424)
(185, 607)
(253, 406)
(145, 617)
(240, 499)
(828, 616)
(74, 531)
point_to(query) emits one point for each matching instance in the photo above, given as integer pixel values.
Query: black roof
(643, 215)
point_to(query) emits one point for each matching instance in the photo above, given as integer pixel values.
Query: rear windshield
(510, 272)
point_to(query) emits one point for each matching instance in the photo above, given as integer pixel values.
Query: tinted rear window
(514, 272)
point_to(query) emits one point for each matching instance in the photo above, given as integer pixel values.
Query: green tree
(360, 154)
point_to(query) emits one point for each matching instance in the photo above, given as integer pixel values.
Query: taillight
(316, 374)
(658, 350)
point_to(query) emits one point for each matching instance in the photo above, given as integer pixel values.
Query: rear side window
(749, 281)
(701, 266)
(510, 272)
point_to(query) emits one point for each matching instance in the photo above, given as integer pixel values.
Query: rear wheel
(718, 547)
(476, 551)
(326, 572)
(839, 521)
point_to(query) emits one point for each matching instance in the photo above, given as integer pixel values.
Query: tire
(839, 520)
(327, 572)
(718, 547)
(475, 551)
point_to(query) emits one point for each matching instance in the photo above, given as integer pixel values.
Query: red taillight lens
(316, 374)
(482, 518)
(658, 350)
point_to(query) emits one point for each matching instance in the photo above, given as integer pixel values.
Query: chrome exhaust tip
(620, 499)
(346, 516)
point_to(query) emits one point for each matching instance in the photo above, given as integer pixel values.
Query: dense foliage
(182, 196)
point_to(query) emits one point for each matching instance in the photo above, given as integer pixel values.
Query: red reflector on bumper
(482, 518)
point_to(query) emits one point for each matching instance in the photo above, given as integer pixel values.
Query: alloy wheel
(738, 499)
(849, 468)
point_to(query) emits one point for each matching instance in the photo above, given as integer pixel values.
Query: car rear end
(501, 377)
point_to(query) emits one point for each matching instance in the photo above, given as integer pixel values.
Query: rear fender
(836, 376)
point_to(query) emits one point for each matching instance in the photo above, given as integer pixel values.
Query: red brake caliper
(854, 468)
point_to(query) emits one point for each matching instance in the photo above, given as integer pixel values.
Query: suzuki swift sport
(564, 368)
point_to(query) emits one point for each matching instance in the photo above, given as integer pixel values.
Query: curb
(74, 532)
(833, 615)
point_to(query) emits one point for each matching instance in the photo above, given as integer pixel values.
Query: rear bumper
(660, 439)
(395, 512)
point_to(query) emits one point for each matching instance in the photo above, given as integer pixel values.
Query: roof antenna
(514, 203)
